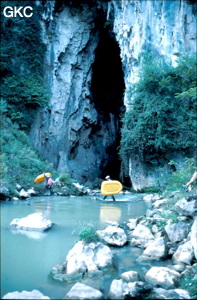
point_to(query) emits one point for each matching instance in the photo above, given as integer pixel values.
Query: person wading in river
(109, 179)
(48, 184)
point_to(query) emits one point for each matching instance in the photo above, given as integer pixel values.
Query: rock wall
(74, 132)
(71, 133)
(165, 28)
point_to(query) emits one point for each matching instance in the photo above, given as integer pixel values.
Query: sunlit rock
(184, 253)
(34, 294)
(177, 232)
(118, 289)
(160, 293)
(36, 221)
(186, 208)
(162, 277)
(155, 250)
(83, 291)
(113, 235)
(23, 194)
(84, 257)
(130, 276)
(141, 236)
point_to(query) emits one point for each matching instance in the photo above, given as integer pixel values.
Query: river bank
(163, 235)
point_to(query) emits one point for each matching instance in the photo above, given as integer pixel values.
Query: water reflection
(110, 213)
(36, 235)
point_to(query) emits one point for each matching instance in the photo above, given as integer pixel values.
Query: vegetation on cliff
(162, 120)
(23, 88)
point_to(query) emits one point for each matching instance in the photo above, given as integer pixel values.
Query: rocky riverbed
(167, 232)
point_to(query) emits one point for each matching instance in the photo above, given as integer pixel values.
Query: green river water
(27, 258)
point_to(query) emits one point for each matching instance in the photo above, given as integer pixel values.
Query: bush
(19, 162)
(162, 119)
(88, 234)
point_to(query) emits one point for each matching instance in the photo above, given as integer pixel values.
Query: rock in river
(36, 221)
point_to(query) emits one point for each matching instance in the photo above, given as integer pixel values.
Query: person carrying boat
(109, 179)
(49, 182)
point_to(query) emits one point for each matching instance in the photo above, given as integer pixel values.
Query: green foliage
(65, 179)
(22, 59)
(19, 162)
(88, 234)
(162, 118)
(189, 282)
(182, 174)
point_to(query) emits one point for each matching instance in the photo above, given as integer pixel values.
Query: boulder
(160, 293)
(155, 250)
(159, 203)
(118, 289)
(34, 294)
(4, 193)
(130, 276)
(141, 236)
(113, 235)
(184, 253)
(36, 221)
(83, 291)
(177, 232)
(88, 257)
(162, 277)
(194, 237)
(186, 208)
(132, 223)
(23, 194)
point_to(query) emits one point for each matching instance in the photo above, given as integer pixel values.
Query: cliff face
(88, 68)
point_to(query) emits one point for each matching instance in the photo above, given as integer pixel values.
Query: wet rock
(162, 277)
(160, 293)
(4, 193)
(36, 221)
(118, 289)
(82, 291)
(113, 235)
(88, 257)
(194, 237)
(132, 223)
(177, 232)
(155, 250)
(130, 276)
(186, 208)
(23, 194)
(141, 236)
(184, 253)
(159, 203)
(34, 294)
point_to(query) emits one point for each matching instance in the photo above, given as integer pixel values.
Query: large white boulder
(113, 235)
(90, 257)
(141, 236)
(35, 221)
(186, 208)
(155, 250)
(177, 232)
(83, 291)
(184, 253)
(34, 294)
(162, 277)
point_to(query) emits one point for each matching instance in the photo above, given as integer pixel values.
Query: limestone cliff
(92, 56)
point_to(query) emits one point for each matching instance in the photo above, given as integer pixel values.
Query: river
(27, 258)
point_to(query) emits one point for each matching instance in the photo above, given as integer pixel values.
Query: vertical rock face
(87, 69)
(79, 131)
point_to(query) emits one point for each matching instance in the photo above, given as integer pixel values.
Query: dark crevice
(107, 95)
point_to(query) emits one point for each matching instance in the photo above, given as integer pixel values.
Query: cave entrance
(107, 90)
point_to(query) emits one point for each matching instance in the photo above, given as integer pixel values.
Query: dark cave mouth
(107, 90)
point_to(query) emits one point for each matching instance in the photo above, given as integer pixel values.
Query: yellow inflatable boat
(111, 187)
(41, 177)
